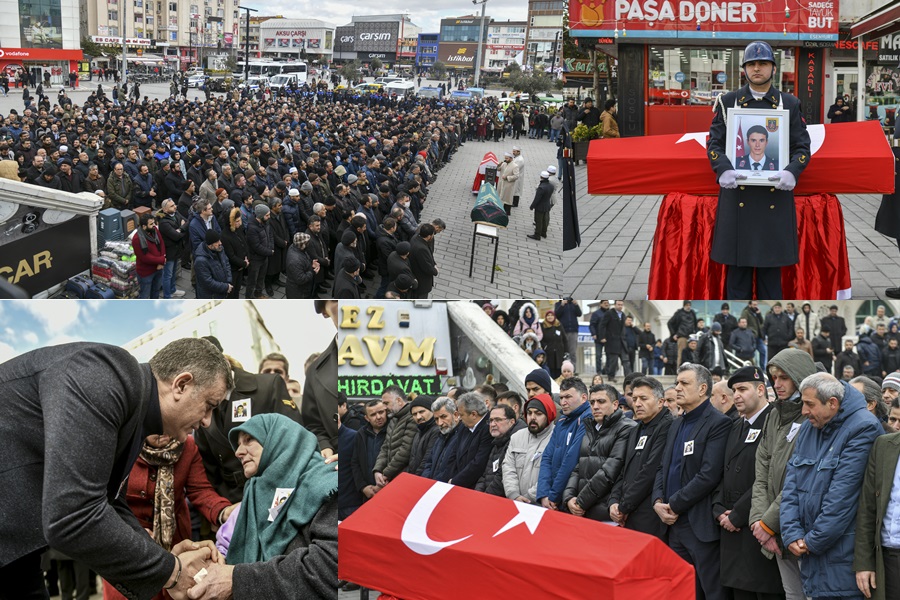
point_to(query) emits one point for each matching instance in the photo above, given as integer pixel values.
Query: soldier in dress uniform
(744, 569)
(766, 212)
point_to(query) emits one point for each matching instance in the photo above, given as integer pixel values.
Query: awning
(879, 22)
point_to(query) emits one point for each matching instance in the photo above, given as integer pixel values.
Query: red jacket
(190, 482)
(146, 261)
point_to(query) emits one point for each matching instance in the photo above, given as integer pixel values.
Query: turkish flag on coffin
(852, 158)
(489, 161)
(419, 539)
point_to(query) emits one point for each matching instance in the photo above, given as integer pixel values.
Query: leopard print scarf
(164, 498)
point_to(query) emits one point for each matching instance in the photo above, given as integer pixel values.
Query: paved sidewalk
(529, 269)
(617, 239)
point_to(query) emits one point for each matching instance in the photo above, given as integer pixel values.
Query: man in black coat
(469, 458)
(744, 569)
(610, 333)
(728, 323)
(369, 441)
(398, 262)
(261, 245)
(541, 205)
(601, 456)
(594, 326)
(752, 207)
(385, 243)
(682, 326)
(421, 260)
(502, 424)
(318, 250)
(778, 330)
(320, 395)
(646, 343)
(711, 349)
(590, 114)
(836, 325)
(631, 499)
(347, 280)
(426, 434)
(692, 466)
(98, 397)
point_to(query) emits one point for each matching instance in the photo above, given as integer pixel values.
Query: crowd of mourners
(314, 190)
(770, 475)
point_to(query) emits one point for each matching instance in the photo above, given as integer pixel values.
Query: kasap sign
(394, 343)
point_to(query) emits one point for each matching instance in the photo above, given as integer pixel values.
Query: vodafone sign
(39, 54)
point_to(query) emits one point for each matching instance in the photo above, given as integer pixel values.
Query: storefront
(41, 62)
(879, 31)
(675, 57)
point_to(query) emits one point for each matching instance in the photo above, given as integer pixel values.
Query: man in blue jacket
(822, 485)
(692, 467)
(561, 454)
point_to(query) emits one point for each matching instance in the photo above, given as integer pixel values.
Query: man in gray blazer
(75, 418)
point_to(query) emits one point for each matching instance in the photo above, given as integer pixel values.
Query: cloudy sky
(428, 17)
(29, 324)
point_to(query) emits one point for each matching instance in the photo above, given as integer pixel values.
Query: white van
(283, 80)
(401, 88)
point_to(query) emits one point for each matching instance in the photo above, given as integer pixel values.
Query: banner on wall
(40, 24)
(669, 19)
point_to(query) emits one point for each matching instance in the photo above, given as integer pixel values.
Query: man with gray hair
(631, 500)
(822, 484)
(474, 445)
(447, 419)
(97, 396)
(692, 466)
(401, 429)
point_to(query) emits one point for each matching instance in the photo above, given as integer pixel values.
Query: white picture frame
(775, 144)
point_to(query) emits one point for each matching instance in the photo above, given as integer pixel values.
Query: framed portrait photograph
(757, 143)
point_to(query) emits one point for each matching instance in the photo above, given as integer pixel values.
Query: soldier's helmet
(758, 51)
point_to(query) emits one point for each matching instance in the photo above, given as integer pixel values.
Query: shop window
(697, 76)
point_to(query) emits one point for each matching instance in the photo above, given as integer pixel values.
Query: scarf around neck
(164, 459)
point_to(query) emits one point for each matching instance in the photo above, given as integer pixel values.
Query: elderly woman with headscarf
(165, 476)
(301, 269)
(282, 541)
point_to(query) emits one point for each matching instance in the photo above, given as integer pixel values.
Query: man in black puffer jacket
(777, 329)
(601, 457)
(683, 324)
(503, 423)
(425, 437)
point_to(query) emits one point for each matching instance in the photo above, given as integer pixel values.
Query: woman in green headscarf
(289, 508)
(287, 483)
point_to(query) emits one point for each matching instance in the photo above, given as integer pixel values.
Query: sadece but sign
(815, 20)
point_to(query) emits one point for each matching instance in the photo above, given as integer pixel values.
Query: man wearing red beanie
(522, 462)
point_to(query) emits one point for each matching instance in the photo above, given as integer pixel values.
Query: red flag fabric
(489, 160)
(681, 268)
(415, 537)
(852, 158)
(739, 143)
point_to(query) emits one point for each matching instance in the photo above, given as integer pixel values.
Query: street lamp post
(124, 48)
(247, 42)
(480, 40)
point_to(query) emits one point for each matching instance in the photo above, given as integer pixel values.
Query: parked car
(255, 83)
(197, 80)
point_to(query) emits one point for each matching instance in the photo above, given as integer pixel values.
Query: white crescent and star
(415, 528)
